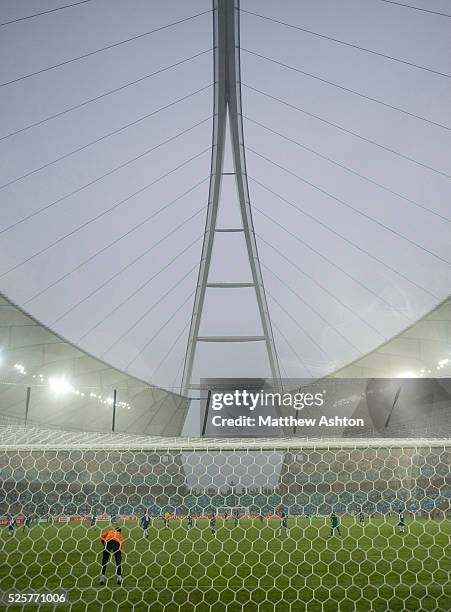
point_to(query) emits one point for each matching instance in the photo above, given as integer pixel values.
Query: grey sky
(323, 333)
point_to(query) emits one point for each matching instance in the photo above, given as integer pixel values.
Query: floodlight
(59, 386)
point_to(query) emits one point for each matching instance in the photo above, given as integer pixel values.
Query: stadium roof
(422, 350)
(106, 121)
(69, 388)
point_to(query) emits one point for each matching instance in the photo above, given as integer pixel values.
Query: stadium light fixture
(20, 368)
(59, 386)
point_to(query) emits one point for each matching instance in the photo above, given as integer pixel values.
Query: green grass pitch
(372, 568)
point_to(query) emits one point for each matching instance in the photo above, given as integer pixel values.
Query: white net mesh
(348, 526)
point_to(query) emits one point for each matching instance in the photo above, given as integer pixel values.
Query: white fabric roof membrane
(103, 188)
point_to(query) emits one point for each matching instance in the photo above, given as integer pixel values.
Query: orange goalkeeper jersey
(112, 534)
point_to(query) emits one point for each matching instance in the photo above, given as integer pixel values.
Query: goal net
(58, 495)
(234, 512)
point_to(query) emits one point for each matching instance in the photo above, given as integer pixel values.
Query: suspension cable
(348, 44)
(58, 8)
(348, 169)
(126, 267)
(353, 208)
(149, 310)
(347, 131)
(102, 214)
(322, 287)
(102, 95)
(101, 49)
(315, 311)
(330, 261)
(416, 8)
(380, 261)
(160, 329)
(348, 90)
(105, 136)
(112, 243)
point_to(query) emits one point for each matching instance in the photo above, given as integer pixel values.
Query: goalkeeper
(113, 542)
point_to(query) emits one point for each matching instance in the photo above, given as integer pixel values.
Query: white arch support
(227, 100)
